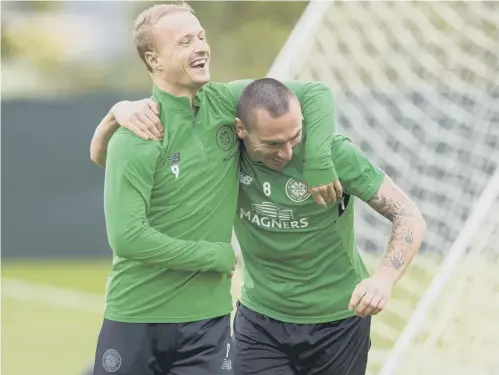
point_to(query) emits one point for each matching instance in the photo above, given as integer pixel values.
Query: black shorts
(164, 349)
(264, 346)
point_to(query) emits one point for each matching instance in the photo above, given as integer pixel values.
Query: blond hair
(142, 30)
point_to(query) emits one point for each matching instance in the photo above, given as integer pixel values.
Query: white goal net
(417, 86)
(460, 332)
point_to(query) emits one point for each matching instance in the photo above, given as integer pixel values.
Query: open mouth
(198, 64)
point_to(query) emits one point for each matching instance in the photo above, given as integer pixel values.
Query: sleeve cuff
(224, 258)
(319, 177)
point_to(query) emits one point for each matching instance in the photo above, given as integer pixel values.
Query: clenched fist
(370, 296)
(325, 194)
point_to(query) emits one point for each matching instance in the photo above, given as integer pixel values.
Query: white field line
(52, 295)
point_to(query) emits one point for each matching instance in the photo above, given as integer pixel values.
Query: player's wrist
(122, 108)
(108, 124)
(224, 258)
(319, 177)
(387, 274)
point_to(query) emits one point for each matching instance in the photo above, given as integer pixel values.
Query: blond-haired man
(170, 205)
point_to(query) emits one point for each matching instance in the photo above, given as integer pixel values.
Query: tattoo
(388, 206)
(397, 248)
(408, 237)
(396, 261)
(391, 203)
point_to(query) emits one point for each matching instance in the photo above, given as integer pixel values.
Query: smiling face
(173, 44)
(182, 52)
(270, 140)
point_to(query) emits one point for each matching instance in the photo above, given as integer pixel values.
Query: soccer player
(169, 207)
(307, 297)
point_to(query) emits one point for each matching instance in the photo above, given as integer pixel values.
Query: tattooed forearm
(408, 225)
(390, 204)
(400, 244)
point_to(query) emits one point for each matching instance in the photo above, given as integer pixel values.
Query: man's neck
(176, 90)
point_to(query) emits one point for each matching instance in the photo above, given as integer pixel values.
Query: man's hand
(370, 296)
(140, 117)
(325, 194)
(230, 275)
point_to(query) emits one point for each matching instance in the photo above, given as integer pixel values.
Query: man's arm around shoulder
(131, 166)
(318, 108)
(140, 117)
(319, 113)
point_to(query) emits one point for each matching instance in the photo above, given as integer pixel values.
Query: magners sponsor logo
(269, 215)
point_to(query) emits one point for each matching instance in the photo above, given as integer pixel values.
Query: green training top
(170, 204)
(301, 262)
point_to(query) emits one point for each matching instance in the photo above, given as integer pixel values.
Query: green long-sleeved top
(170, 204)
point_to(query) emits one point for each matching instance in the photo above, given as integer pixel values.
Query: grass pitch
(51, 314)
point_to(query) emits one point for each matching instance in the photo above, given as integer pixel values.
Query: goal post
(299, 40)
(485, 215)
(417, 90)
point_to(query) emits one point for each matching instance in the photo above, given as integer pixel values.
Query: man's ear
(240, 129)
(152, 60)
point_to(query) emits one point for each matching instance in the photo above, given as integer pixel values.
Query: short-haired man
(307, 297)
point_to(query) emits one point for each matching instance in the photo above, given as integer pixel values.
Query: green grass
(45, 339)
(42, 339)
(85, 275)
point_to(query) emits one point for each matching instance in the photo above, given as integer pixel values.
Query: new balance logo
(173, 159)
(245, 179)
(227, 363)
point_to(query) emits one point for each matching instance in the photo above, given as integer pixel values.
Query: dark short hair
(264, 93)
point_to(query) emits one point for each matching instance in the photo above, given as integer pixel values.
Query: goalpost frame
(299, 39)
(456, 251)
